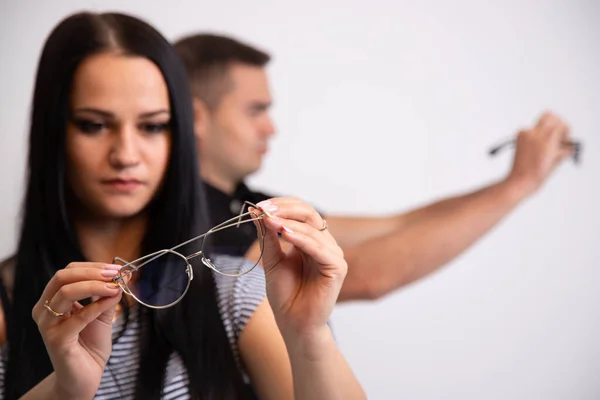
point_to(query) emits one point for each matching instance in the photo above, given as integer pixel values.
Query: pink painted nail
(263, 204)
(288, 230)
(273, 217)
(113, 267)
(270, 208)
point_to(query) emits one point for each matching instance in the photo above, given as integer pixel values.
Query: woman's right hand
(79, 343)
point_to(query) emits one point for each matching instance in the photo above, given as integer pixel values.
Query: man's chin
(252, 170)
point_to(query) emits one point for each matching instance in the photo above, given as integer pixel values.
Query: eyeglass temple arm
(496, 149)
(236, 221)
(574, 144)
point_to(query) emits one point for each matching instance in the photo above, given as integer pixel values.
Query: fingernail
(273, 217)
(109, 272)
(271, 208)
(264, 203)
(288, 230)
(112, 285)
(113, 267)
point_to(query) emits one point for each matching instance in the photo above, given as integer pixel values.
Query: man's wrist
(516, 189)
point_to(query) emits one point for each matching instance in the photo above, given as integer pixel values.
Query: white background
(383, 106)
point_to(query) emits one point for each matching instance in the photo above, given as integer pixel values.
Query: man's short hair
(207, 59)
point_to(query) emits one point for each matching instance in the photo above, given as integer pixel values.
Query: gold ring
(56, 314)
(324, 226)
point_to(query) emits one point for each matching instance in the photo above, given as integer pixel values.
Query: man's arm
(414, 244)
(384, 254)
(350, 231)
(431, 237)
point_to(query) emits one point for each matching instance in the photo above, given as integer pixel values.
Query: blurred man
(233, 127)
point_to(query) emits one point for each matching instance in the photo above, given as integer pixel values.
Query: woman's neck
(101, 240)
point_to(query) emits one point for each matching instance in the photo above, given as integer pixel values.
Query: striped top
(238, 298)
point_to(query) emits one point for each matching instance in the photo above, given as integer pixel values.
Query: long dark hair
(193, 328)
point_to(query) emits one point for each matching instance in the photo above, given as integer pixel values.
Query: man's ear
(201, 119)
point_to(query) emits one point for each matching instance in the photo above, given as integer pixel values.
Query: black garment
(222, 206)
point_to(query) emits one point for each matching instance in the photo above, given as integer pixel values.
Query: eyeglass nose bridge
(189, 271)
(205, 260)
(209, 264)
(188, 267)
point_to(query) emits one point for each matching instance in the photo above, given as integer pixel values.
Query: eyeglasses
(168, 273)
(576, 145)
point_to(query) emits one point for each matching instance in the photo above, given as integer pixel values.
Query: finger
(272, 251)
(71, 274)
(307, 245)
(559, 130)
(108, 315)
(563, 153)
(66, 296)
(76, 272)
(295, 210)
(281, 200)
(522, 136)
(272, 205)
(556, 142)
(103, 310)
(300, 212)
(275, 226)
(546, 121)
(566, 131)
(322, 237)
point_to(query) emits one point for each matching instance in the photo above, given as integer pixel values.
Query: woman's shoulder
(238, 297)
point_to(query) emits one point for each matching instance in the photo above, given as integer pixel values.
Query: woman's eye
(155, 128)
(89, 126)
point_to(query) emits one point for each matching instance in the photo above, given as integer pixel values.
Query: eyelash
(91, 127)
(155, 127)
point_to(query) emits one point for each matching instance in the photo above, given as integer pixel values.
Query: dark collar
(241, 193)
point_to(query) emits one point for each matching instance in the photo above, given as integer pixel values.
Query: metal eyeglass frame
(132, 266)
(575, 145)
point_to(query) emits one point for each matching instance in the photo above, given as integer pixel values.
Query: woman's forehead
(119, 82)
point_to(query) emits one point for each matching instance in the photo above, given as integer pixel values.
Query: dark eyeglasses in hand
(575, 145)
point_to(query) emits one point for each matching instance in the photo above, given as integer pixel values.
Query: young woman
(112, 172)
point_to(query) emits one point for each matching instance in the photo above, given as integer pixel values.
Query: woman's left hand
(304, 282)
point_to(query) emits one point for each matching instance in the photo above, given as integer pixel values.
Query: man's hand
(538, 151)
